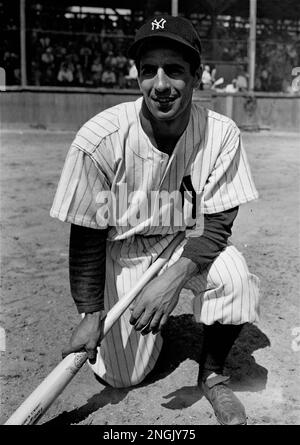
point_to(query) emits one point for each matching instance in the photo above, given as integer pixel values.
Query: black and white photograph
(150, 215)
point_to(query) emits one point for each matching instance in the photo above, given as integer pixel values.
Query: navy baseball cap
(177, 29)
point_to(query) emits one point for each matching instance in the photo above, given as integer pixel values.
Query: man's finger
(155, 323)
(137, 307)
(146, 330)
(92, 355)
(163, 321)
(143, 321)
(69, 349)
(136, 314)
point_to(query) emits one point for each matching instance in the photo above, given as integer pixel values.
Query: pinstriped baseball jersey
(111, 153)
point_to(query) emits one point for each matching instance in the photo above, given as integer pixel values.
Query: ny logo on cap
(156, 25)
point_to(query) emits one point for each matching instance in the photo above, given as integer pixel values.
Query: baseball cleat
(227, 407)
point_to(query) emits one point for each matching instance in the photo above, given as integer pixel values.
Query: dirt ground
(38, 314)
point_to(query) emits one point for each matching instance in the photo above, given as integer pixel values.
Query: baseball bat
(37, 403)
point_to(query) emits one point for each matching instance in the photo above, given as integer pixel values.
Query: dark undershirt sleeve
(203, 250)
(87, 256)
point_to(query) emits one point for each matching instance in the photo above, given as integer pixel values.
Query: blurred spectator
(232, 87)
(292, 53)
(218, 85)
(206, 78)
(60, 53)
(132, 76)
(11, 63)
(213, 74)
(78, 75)
(85, 56)
(70, 61)
(111, 60)
(47, 67)
(48, 76)
(65, 75)
(241, 81)
(17, 75)
(96, 70)
(107, 46)
(45, 42)
(264, 80)
(108, 78)
(226, 54)
(121, 69)
(47, 57)
(36, 73)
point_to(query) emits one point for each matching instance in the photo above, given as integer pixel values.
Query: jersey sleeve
(77, 196)
(230, 182)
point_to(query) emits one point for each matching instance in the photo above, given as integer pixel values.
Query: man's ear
(198, 77)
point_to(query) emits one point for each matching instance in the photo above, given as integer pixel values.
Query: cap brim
(135, 47)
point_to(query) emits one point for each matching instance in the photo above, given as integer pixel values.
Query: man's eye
(174, 70)
(148, 71)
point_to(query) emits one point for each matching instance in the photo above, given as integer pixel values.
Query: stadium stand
(75, 48)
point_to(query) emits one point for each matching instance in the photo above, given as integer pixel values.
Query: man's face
(166, 82)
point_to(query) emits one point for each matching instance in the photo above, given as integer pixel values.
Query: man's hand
(159, 298)
(86, 336)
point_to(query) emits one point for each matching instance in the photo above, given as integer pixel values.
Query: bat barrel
(42, 397)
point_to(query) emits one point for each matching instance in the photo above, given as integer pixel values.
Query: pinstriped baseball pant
(226, 292)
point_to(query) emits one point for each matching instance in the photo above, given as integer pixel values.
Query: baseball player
(130, 171)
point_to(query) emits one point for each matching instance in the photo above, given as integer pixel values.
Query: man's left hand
(159, 298)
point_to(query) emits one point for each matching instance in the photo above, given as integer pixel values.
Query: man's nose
(162, 82)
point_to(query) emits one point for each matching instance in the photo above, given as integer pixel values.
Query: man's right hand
(86, 336)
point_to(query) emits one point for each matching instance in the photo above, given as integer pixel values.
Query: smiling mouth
(164, 100)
